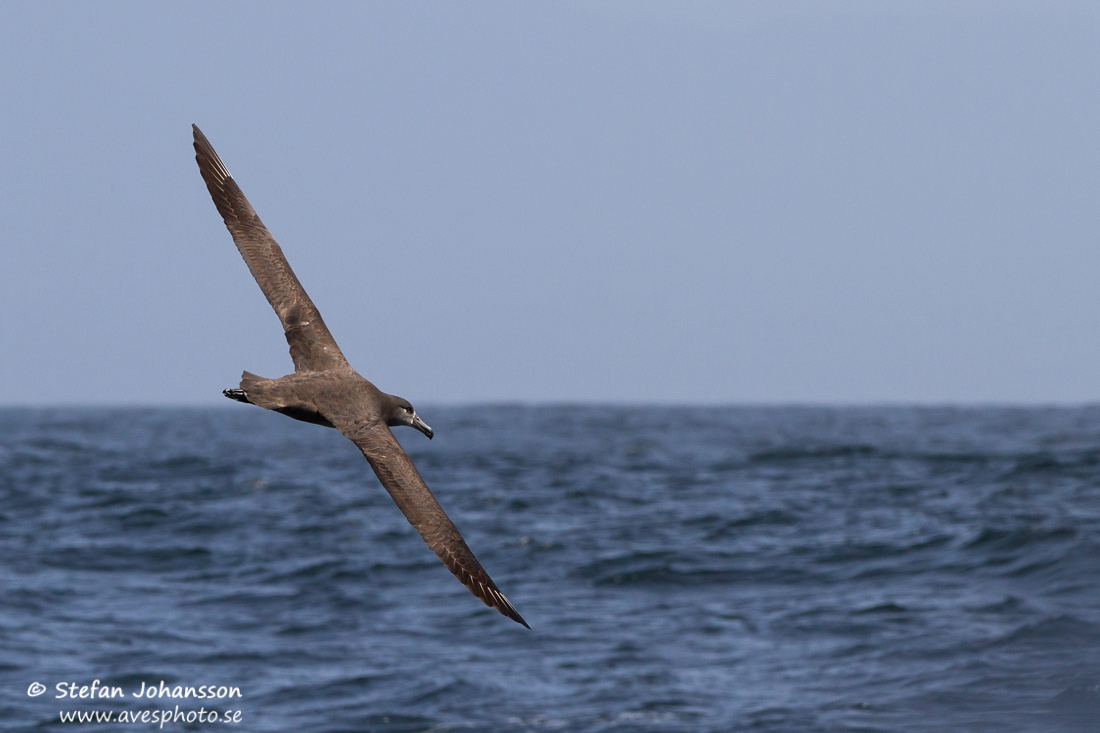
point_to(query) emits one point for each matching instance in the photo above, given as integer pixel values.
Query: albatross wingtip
(211, 166)
(506, 608)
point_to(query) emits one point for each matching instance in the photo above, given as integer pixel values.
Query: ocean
(683, 569)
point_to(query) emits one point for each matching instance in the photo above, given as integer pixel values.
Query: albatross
(325, 390)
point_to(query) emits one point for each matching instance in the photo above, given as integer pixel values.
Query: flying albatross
(325, 390)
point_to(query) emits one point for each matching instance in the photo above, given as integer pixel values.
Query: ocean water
(683, 569)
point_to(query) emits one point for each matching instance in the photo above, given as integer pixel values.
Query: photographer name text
(99, 691)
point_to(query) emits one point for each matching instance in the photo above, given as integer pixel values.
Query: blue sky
(830, 202)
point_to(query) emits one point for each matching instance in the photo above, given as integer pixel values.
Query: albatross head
(400, 412)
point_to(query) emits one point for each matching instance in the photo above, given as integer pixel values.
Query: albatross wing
(311, 345)
(396, 472)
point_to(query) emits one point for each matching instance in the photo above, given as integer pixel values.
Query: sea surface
(683, 569)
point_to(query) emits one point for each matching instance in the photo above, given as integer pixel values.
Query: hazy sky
(620, 201)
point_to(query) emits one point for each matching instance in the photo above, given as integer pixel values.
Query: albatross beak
(422, 426)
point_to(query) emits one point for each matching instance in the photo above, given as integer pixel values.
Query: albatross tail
(248, 380)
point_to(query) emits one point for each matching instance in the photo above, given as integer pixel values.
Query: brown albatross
(325, 390)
